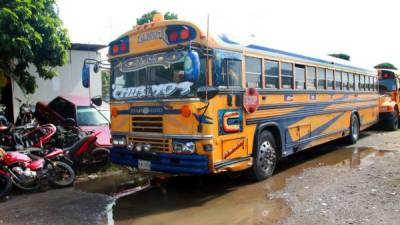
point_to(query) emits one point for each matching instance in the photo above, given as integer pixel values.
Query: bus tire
(354, 129)
(393, 124)
(264, 157)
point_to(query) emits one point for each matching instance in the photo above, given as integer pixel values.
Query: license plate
(144, 165)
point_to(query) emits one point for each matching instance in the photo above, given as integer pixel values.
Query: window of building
(231, 73)
(357, 82)
(287, 75)
(253, 72)
(345, 81)
(338, 80)
(321, 78)
(271, 74)
(311, 78)
(300, 76)
(329, 79)
(351, 81)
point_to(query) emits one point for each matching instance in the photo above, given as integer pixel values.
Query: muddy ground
(330, 184)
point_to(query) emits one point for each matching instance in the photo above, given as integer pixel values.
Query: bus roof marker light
(173, 36)
(185, 34)
(115, 49)
(123, 46)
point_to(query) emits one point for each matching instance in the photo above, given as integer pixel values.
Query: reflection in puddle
(221, 199)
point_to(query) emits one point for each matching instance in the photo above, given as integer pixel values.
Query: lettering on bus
(230, 121)
(233, 149)
(161, 90)
(153, 35)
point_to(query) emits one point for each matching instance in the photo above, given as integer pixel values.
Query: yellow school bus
(185, 102)
(389, 100)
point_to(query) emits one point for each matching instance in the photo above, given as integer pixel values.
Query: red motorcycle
(86, 155)
(32, 173)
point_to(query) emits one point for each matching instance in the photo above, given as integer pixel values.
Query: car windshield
(88, 116)
(159, 75)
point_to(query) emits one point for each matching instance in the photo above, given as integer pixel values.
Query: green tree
(105, 85)
(385, 65)
(148, 17)
(340, 56)
(31, 33)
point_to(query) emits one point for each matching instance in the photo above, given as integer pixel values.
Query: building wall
(68, 82)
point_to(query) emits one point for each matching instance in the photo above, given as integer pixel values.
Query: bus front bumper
(162, 162)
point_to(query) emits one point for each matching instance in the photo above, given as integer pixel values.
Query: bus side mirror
(86, 75)
(207, 92)
(192, 66)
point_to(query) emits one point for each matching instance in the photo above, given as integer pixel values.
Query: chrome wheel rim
(267, 157)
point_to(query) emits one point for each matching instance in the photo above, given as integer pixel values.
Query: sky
(366, 30)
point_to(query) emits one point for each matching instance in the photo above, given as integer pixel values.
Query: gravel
(367, 194)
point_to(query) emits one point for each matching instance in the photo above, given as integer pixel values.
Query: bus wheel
(394, 122)
(265, 156)
(354, 129)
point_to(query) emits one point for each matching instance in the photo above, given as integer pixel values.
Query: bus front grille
(157, 144)
(147, 124)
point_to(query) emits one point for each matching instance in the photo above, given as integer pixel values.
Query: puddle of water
(220, 199)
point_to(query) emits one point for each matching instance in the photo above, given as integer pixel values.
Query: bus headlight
(130, 146)
(118, 140)
(184, 147)
(146, 147)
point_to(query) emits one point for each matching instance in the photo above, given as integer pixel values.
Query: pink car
(86, 116)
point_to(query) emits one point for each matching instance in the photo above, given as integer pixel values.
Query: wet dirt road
(224, 199)
(368, 193)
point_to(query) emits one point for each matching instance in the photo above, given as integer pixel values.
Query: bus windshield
(387, 85)
(153, 76)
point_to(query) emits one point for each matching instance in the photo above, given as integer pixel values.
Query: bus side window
(351, 81)
(300, 74)
(231, 73)
(329, 79)
(253, 72)
(321, 78)
(362, 83)
(271, 74)
(311, 78)
(345, 77)
(357, 82)
(338, 80)
(287, 75)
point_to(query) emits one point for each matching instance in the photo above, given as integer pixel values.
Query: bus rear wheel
(264, 158)
(354, 129)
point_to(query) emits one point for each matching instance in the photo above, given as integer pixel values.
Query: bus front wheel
(264, 158)
(354, 129)
(393, 124)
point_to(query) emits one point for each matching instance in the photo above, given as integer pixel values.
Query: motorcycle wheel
(63, 175)
(5, 185)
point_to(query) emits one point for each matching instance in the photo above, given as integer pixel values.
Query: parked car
(85, 115)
